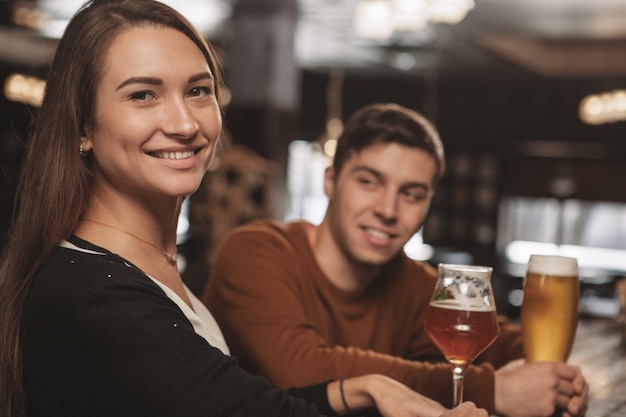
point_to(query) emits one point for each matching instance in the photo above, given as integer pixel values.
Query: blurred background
(529, 97)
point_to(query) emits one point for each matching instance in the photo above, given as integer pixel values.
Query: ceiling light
(379, 19)
(411, 15)
(602, 108)
(449, 11)
(373, 19)
(24, 89)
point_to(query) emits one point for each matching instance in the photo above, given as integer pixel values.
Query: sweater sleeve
(506, 347)
(254, 297)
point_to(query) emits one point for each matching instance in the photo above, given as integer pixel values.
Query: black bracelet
(343, 397)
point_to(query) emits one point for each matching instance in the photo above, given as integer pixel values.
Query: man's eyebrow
(367, 169)
(416, 184)
(378, 174)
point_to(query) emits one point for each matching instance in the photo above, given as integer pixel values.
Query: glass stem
(458, 376)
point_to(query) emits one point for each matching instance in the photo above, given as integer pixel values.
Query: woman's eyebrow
(157, 81)
(140, 80)
(201, 76)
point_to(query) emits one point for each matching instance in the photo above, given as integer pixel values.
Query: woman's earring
(81, 150)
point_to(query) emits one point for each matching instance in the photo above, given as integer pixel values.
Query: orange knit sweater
(283, 319)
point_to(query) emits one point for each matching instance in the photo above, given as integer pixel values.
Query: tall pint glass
(549, 315)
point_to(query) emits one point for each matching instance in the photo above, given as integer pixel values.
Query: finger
(566, 388)
(567, 372)
(563, 401)
(580, 401)
(469, 408)
(577, 406)
(578, 413)
(580, 385)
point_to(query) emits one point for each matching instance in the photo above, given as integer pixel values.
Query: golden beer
(549, 315)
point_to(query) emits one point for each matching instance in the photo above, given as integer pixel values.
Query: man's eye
(415, 195)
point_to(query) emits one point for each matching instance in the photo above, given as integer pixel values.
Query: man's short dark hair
(389, 123)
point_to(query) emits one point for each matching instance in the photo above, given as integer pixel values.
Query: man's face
(378, 201)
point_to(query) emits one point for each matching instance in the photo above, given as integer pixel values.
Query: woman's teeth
(174, 155)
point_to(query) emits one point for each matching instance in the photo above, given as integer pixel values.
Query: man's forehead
(415, 164)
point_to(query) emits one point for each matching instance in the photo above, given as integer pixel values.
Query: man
(301, 304)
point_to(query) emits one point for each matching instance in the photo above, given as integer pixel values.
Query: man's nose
(387, 205)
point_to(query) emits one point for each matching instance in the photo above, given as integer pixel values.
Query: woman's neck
(152, 220)
(144, 236)
(130, 227)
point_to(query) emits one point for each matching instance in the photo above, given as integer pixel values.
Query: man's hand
(537, 389)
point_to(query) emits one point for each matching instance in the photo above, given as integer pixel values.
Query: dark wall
(478, 111)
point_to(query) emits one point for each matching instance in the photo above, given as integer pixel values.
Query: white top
(200, 317)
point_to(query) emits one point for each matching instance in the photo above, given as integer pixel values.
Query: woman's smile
(173, 155)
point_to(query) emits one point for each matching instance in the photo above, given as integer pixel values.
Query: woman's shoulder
(87, 290)
(81, 275)
(76, 259)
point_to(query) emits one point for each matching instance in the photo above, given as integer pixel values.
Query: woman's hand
(466, 409)
(392, 399)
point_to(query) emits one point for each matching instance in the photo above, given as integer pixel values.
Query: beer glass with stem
(549, 314)
(461, 318)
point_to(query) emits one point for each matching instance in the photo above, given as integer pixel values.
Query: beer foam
(456, 305)
(553, 265)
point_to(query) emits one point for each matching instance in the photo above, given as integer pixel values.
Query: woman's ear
(329, 182)
(86, 144)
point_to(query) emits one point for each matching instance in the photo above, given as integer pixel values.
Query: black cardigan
(99, 338)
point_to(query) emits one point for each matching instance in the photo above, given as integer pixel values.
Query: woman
(95, 318)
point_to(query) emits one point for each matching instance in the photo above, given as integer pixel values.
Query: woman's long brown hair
(55, 180)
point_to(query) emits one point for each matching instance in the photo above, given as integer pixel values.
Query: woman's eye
(142, 96)
(200, 91)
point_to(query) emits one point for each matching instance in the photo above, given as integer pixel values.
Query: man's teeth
(378, 233)
(174, 155)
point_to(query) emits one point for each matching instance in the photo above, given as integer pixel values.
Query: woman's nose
(179, 120)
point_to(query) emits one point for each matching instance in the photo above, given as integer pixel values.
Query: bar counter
(599, 350)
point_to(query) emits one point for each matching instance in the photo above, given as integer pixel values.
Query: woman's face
(157, 117)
